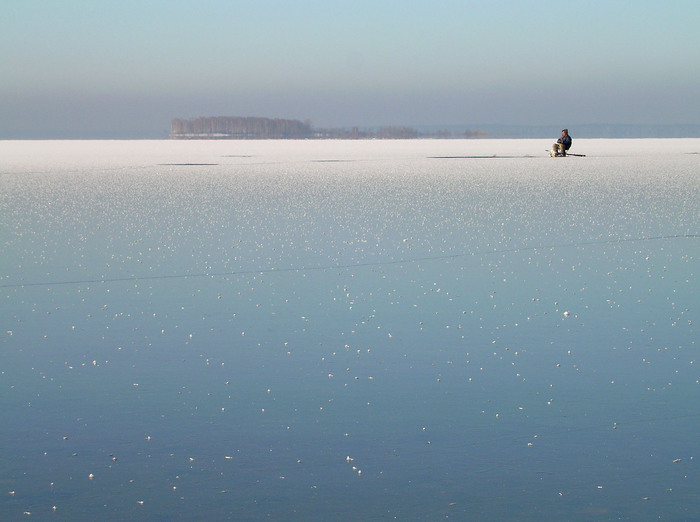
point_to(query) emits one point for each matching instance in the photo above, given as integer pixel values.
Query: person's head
(565, 132)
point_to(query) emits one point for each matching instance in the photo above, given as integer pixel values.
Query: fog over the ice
(126, 69)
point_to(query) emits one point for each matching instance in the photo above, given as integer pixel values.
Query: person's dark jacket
(566, 141)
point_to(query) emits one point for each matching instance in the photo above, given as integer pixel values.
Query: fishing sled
(553, 154)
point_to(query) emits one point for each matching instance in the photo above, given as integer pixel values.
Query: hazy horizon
(125, 70)
(480, 132)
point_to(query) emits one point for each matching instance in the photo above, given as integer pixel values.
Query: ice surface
(209, 329)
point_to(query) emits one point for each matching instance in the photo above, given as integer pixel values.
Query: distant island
(253, 128)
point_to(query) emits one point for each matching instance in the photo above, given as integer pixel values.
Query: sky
(126, 68)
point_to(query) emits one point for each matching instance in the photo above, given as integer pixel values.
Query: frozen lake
(329, 330)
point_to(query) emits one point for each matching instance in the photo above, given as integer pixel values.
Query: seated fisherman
(563, 144)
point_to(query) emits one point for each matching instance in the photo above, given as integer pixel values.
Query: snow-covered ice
(220, 325)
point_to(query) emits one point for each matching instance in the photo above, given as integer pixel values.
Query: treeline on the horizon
(225, 127)
(237, 127)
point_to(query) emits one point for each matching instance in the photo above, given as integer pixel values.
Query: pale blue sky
(125, 68)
